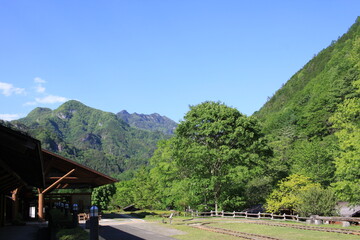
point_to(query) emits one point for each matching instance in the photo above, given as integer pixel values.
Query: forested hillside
(305, 103)
(313, 120)
(92, 137)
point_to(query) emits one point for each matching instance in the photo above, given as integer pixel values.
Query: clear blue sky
(160, 56)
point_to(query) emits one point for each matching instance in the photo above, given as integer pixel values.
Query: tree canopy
(216, 144)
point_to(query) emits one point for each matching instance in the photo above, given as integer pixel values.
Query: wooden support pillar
(41, 207)
(2, 210)
(15, 207)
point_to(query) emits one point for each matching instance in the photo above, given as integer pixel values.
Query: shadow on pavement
(129, 215)
(110, 233)
(113, 215)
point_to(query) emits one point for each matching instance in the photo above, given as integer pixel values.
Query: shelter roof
(21, 160)
(81, 176)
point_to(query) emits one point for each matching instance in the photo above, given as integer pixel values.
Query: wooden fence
(272, 216)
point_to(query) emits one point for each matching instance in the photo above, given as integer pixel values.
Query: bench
(167, 216)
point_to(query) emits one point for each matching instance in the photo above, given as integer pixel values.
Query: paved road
(122, 227)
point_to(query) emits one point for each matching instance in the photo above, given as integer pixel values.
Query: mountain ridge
(152, 122)
(90, 136)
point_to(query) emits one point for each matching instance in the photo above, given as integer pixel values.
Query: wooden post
(41, 207)
(234, 214)
(2, 209)
(15, 198)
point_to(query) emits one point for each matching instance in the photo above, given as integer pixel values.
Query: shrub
(72, 234)
(316, 201)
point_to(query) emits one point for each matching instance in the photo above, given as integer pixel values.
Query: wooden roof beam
(58, 181)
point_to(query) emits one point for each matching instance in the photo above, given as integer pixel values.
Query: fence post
(234, 214)
(246, 215)
(297, 217)
(272, 216)
(197, 213)
(259, 215)
(211, 213)
(94, 223)
(66, 209)
(75, 215)
(222, 213)
(284, 216)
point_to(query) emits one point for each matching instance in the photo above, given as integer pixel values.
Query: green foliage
(124, 195)
(347, 121)
(286, 196)
(316, 201)
(101, 196)
(313, 159)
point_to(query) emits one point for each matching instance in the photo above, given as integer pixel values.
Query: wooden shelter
(21, 166)
(63, 173)
(25, 166)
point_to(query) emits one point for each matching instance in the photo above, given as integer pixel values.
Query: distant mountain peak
(152, 122)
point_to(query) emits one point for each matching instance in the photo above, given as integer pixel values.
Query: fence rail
(272, 216)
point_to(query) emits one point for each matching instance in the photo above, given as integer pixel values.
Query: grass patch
(281, 232)
(72, 234)
(181, 223)
(197, 234)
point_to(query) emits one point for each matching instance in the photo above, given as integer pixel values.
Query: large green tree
(218, 146)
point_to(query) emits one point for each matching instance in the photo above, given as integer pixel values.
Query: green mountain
(299, 118)
(152, 122)
(313, 94)
(92, 137)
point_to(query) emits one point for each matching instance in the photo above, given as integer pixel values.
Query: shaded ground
(28, 232)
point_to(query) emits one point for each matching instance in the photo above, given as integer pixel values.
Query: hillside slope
(299, 118)
(312, 95)
(92, 137)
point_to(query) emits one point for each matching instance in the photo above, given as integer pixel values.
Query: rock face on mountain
(152, 122)
(98, 139)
